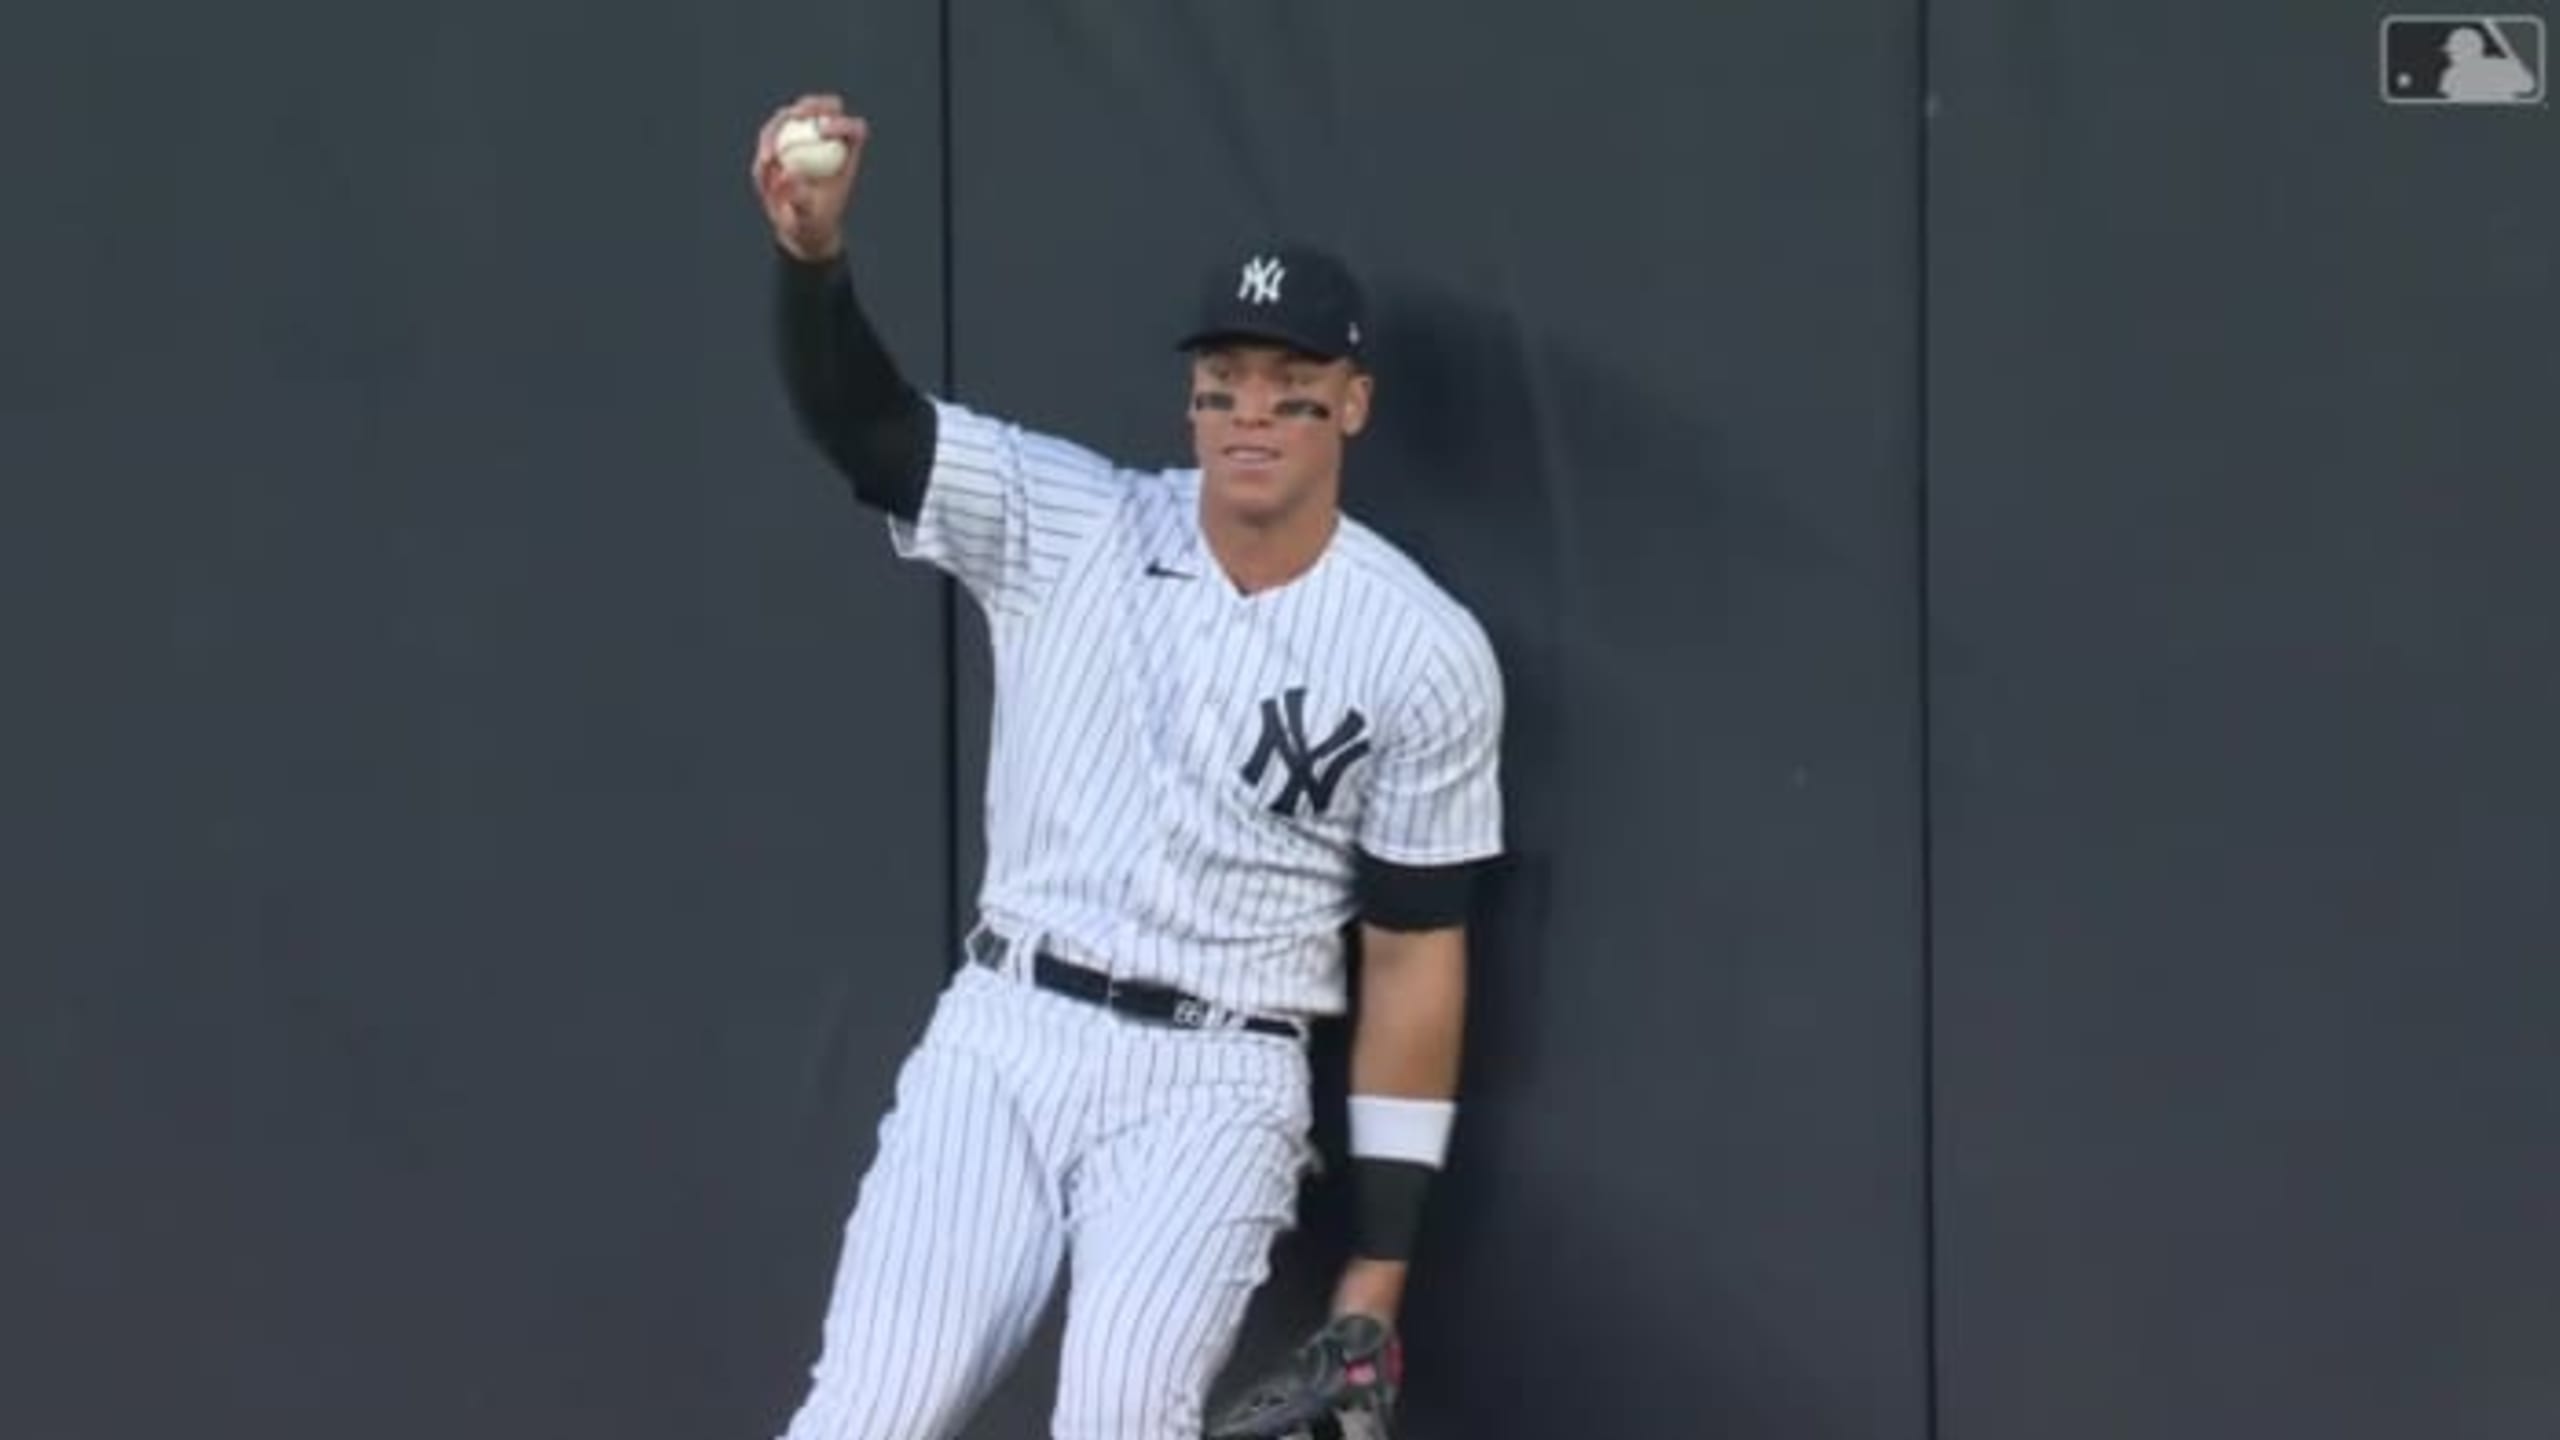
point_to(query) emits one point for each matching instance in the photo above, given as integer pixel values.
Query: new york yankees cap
(1289, 293)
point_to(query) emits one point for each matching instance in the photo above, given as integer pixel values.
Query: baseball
(805, 152)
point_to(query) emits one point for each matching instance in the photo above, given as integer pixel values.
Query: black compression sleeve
(845, 389)
(1414, 897)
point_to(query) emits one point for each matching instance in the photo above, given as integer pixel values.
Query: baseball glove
(1339, 1384)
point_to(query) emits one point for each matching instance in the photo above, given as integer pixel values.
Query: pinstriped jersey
(1180, 775)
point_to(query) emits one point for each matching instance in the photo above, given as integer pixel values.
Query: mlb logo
(2463, 60)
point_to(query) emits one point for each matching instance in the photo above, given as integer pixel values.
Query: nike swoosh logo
(1157, 570)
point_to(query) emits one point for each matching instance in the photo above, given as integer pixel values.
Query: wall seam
(1923, 120)
(953, 811)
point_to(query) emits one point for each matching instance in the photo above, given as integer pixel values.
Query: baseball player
(1230, 722)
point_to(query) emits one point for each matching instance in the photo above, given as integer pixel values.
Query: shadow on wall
(1457, 471)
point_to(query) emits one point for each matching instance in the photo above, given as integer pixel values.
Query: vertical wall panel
(2247, 810)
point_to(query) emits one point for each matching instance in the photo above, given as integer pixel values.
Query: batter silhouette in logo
(2462, 60)
(1314, 770)
(2474, 75)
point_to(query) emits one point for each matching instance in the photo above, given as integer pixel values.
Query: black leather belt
(1160, 1004)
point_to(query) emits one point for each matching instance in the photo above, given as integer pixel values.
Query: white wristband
(1387, 1127)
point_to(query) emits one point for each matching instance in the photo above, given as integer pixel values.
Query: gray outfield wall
(2020, 541)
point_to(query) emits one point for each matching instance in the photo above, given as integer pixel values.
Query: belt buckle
(1177, 1009)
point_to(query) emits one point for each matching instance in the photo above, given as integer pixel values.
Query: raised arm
(845, 389)
(998, 507)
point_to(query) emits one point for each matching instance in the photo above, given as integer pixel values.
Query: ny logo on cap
(1261, 283)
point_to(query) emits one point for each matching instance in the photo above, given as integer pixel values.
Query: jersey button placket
(1225, 626)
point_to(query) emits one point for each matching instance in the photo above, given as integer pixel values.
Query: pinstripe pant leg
(1174, 1221)
(953, 1246)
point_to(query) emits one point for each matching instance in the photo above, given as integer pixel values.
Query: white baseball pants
(1030, 1130)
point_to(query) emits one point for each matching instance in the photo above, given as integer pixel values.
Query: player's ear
(1356, 397)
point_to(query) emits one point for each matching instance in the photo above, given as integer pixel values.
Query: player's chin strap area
(1157, 1004)
(1340, 1384)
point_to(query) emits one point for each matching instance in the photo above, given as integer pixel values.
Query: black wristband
(1387, 1198)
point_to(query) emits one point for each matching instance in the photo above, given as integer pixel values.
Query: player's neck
(1258, 556)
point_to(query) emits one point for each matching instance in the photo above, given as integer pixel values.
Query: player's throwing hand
(807, 211)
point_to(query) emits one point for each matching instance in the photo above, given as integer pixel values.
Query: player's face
(1268, 426)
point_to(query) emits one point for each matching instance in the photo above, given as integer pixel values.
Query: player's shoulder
(1408, 599)
(972, 437)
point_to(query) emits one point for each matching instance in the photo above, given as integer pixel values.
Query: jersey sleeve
(1435, 794)
(1005, 508)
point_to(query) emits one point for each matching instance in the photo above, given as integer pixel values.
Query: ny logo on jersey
(1313, 770)
(1261, 281)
